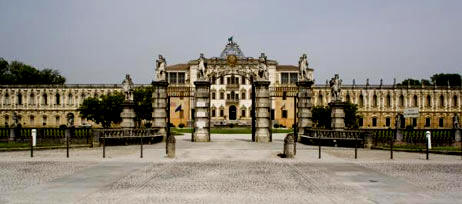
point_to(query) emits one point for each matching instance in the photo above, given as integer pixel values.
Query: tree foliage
(20, 73)
(443, 79)
(322, 119)
(104, 110)
(142, 98)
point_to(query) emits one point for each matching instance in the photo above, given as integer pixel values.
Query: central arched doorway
(232, 112)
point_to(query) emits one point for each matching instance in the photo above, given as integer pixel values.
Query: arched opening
(361, 101)
(388, 101)
(232, 112)
(429, 101)
(455, 103)
(415, 101)
(401, 101)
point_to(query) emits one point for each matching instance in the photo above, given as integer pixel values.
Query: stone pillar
(305, 92)
(458, 137)
(128, 115)
(159, 107)
(368, 140)
(12, 135)
(337, 115)
(202, 108)
(289, 146)
(262, 111)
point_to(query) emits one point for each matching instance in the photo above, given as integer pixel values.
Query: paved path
(230, 169)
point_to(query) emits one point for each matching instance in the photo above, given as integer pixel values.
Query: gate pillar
(159, 107)
(305, 92)
(202, 110)
(262, 112)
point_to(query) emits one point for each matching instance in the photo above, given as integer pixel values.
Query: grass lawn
(236, 130)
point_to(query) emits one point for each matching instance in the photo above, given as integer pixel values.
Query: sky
(99, 41)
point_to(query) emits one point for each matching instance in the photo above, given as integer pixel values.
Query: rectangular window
(214, 80)
(243, 113)
(374, 122)
(213, 95)
(222, 113)
(228, 96)
(414, 122)
(360, 122)
(387, 122)
(284, 95)
(427, 122)
(181, 77)
(228, 80)
(272, 114)
(172, 77)
(441, 122)
(214, 112)
(243, 81)
(293, 78)
(284, 114)
(222, 95)
(284, 78)
(243, 95)
(222, 80)
(57, 120)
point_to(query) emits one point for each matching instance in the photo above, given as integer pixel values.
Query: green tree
(20, 73)
(322, 119)
(321, 116)
(104, 110)
(142, 98)
(443, 79)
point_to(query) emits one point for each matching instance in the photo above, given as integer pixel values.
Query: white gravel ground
(230, 169)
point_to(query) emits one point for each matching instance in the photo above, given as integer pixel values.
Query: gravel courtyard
(230, 169)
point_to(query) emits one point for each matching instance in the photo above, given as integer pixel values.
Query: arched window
(19, 101)
(374, 101)
(31, 120)
(455, 103)
(401, 101)
(6, 100)
(429, 101)
(388, 101)
(361, 101)
(348, 98)
(70, 99)
(243, 95)
(415, 104)
(44, 99)
(58, 99)
(32, 99)
(320, 98)
(442, 101)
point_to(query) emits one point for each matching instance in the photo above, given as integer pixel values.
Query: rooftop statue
(127, 86)
(335, 84)
(303, 68)
(161, 64)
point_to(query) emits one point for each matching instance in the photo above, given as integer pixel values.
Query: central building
(230, 94)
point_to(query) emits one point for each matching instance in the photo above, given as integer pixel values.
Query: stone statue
(262, 72)
(456, 122)
(335, 88)
(15, 119)
(202, 67)
(70, 119)
(303, 68)
(127, 86)
(161, 64)
(397, 120)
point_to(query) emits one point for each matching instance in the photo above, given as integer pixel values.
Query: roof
(286, 68)
(232, 48)
(177, 67)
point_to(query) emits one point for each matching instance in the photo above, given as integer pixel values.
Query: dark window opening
(284, 114)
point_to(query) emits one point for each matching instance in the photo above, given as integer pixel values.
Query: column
(337, 115)
(305, 92)
(159, 107)
(202, 115)
(128, 115)
(263, 112)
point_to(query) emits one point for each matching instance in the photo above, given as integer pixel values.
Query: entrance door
(232, 112)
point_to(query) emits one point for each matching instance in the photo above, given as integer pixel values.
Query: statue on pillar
(456, 121)
(161, 64)
(127, 86)
(202, 67)
(304, 72)
(335, 88)
(70, 120)
(15, 119)
(262, 72)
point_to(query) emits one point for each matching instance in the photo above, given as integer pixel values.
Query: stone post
(368, 139)
(159, 107)
(458, 137)
(289, 146)
(305, 92)
(202, 108)
(12, 135)
(337, 115)
(262, 111)
(128, 115)
(171, 146)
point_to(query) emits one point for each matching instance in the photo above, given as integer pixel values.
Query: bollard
(319, 144)
(141, 150)
(289, 146)
(429, 143)
(68, 135)
(356, 147)
(391, 147)
(32, 141)
(171, 146)
(104, 147)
